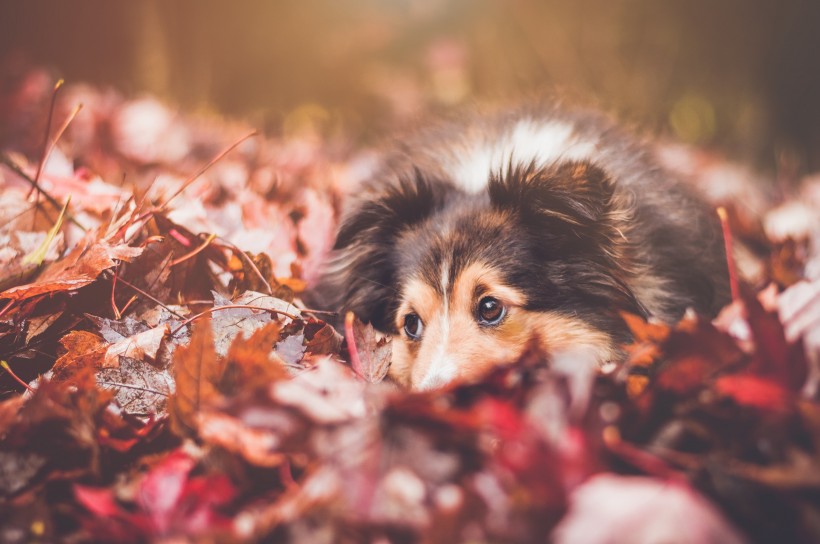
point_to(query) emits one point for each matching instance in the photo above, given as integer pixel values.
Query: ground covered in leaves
(163, 380)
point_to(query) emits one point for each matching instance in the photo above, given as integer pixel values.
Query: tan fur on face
(455, 347)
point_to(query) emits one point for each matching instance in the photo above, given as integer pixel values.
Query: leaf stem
(14, 167)
(230, 307)
(202, 170)
(8, 369)
(355, 361)
(730, 260)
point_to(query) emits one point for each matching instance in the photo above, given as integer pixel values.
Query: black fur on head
(571, 202)
(363, 274)
(575, 222)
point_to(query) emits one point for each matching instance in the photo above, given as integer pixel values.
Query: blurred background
(742, 76)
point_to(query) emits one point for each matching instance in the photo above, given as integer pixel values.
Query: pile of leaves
(163, 379)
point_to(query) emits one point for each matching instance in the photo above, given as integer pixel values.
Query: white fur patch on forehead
(526, 141)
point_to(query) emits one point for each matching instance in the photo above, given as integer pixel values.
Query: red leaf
(754, 391)
(99, 501)
(161, 490)
(775, 356)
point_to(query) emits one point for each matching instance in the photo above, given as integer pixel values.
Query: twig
(117, 314)
(190, 254)
(49, 148)
(6, 160)
(150, 297)
(8, 369)
(57, 137)
(202, 170)
(640, 459)
(6, 307)
(229, 307)
(317, 312)
(127, 386)
(727, 244)
(45, 153)
(176, 235)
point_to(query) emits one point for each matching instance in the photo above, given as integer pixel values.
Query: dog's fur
(557, 214)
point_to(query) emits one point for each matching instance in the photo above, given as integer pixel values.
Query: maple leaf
(752, 390)
(252, 362)
(83, 349)
(327, 392)
(775, 356)
(139, 387)
(168, 502)
(321, 338)
(77, 269)
(141, 346)
(232, 321)
(123, 366)
(370, 353)
(694, 352)
(197, 371)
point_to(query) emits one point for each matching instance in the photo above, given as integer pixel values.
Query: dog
(480, 236)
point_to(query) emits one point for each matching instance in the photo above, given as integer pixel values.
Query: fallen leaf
(139, 387)
(775, 356)
(327, 392)
(259, 445)
(374, 351)
(292, 350)
(39, 325)
(232, 321)
(754, 391)
(196, 372)
(77, 269)
(638, 510)
(321, 339)
(251, 362)
(141, 346)
(83, 349)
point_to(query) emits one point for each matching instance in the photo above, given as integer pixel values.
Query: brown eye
(490, 311)
(413, 327)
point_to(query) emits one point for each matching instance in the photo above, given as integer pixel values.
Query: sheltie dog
(478, 237)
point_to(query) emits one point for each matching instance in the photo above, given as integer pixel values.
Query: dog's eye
(490, 311)
(413, 327)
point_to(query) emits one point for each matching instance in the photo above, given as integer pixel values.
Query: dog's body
(478, 237)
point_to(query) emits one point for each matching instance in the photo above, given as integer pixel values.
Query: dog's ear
(571, 213)
(362, 273)
(569, 198)
(385, 213)
(575, 196)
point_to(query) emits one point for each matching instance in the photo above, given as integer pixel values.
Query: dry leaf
(251, 362)
(141, 346)
(82, 350)
(77, 269)
(374, 352)
(196, 373)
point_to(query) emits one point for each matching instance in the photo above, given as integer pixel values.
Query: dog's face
(466, 282)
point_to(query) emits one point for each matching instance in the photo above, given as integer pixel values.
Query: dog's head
(465, 281)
